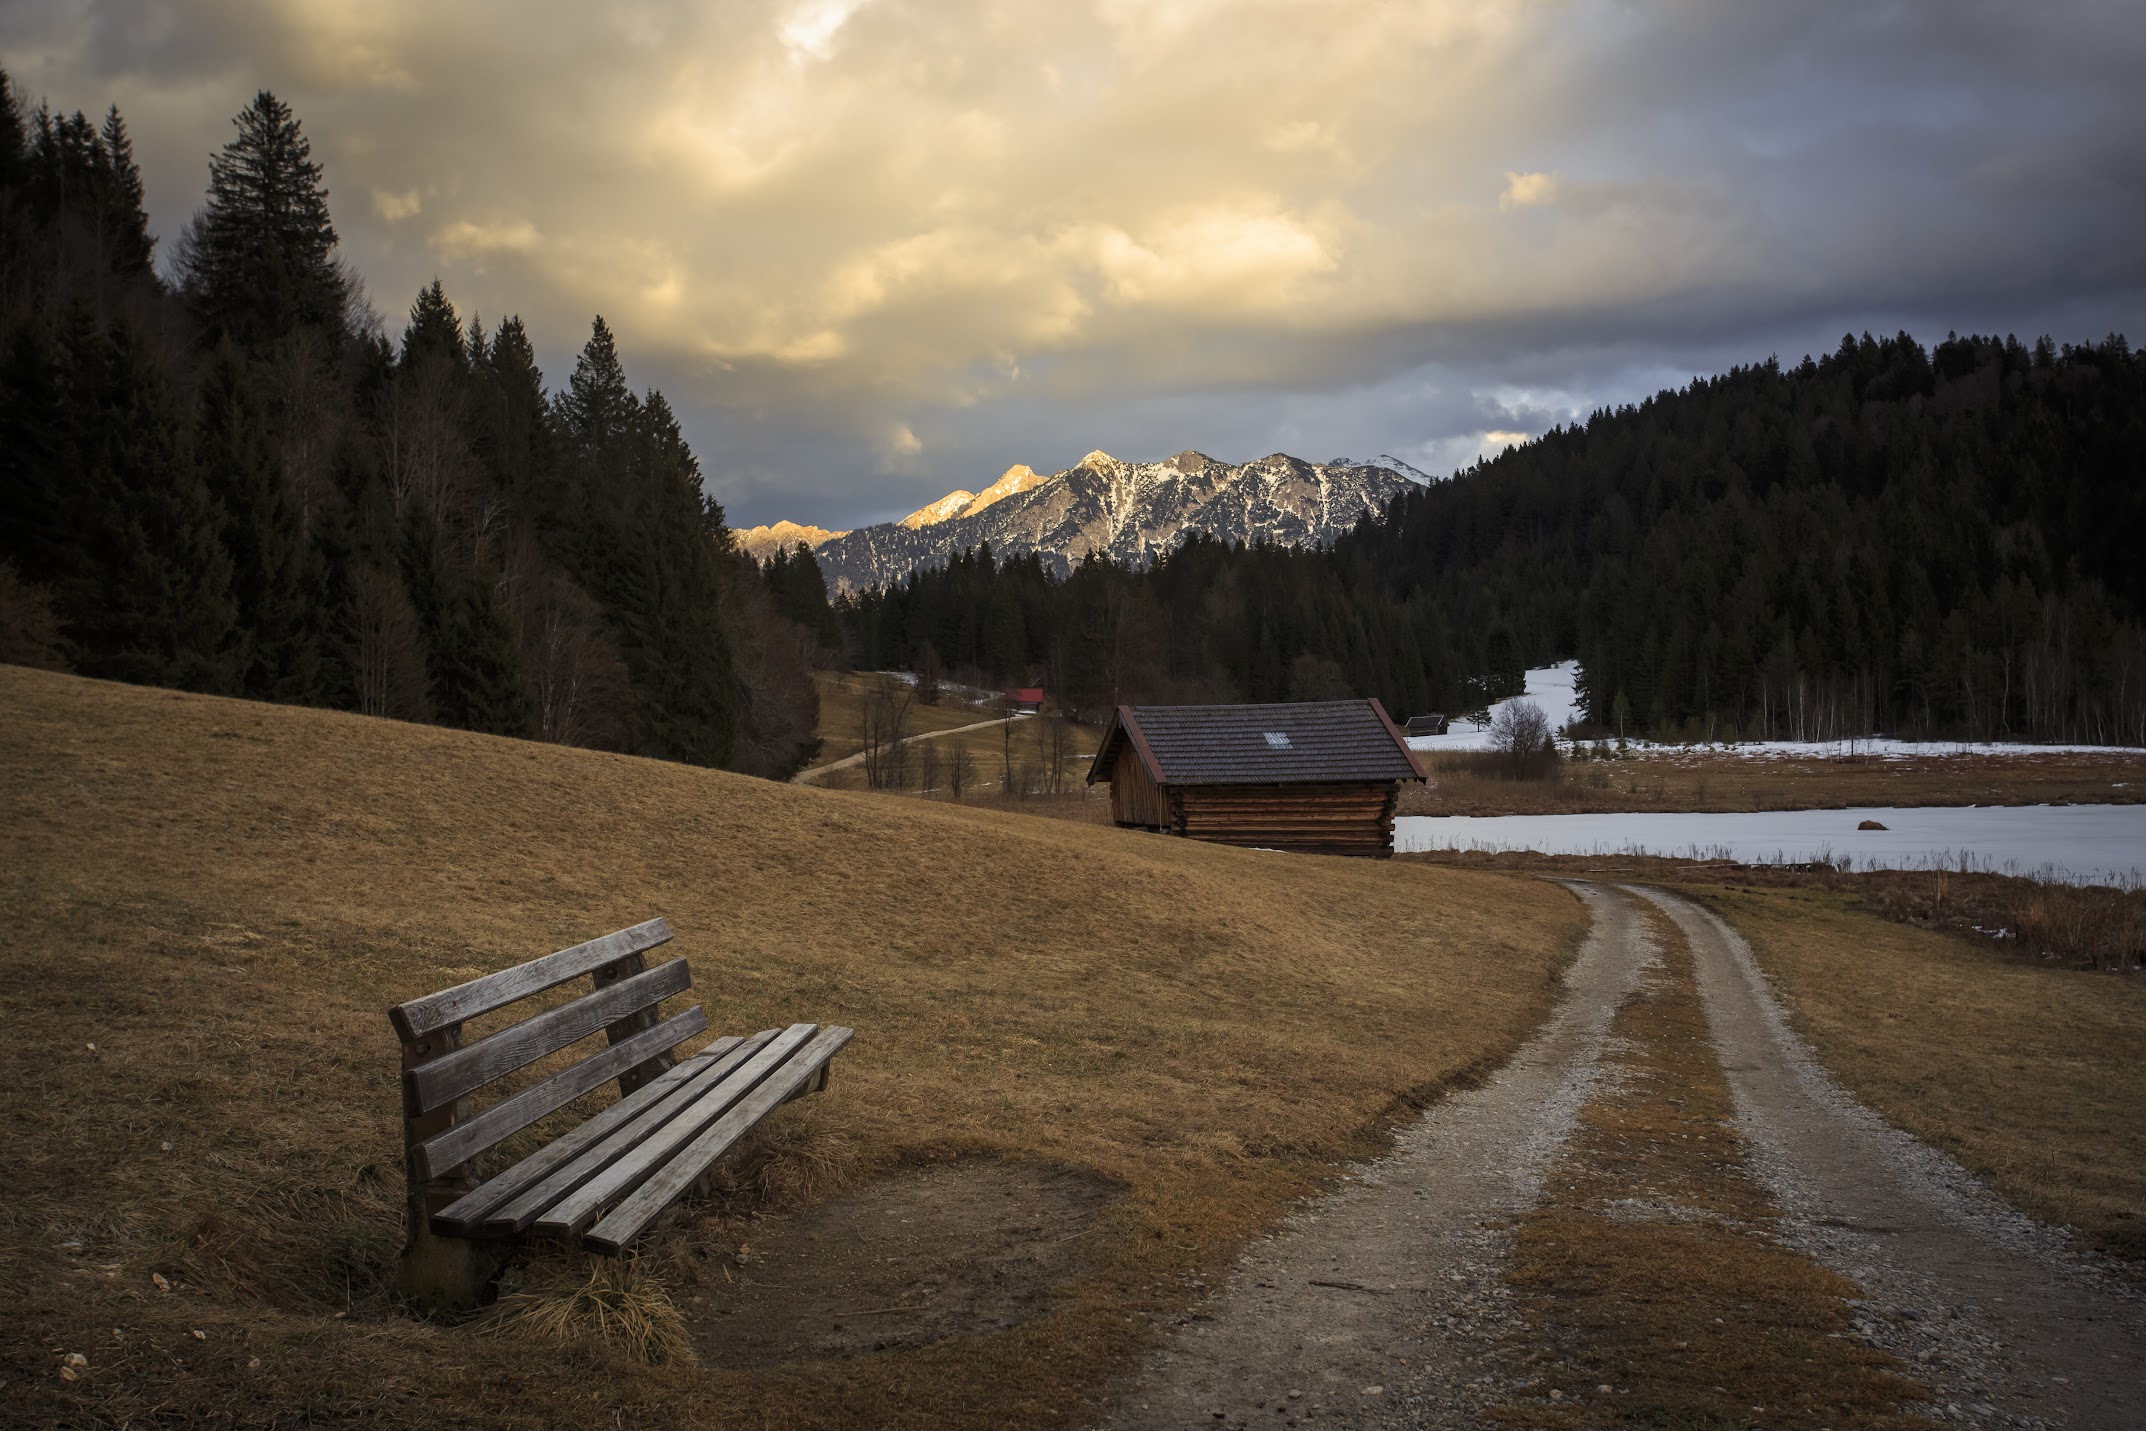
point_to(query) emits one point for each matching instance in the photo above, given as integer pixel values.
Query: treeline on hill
(1207, 622)
(234, 483)
(1884, 540)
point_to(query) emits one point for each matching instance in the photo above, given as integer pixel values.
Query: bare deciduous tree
(1054, 746)
(885, 719)
(1520, 732)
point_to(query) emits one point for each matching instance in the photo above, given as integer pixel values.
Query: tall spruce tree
(259, 258)
(123, 221)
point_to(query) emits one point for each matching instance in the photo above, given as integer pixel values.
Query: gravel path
(1374, 1306)
(848, 761)
(1383, 1305)
(1992, 1311)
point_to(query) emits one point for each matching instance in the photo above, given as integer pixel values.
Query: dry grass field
(1675, 780)
(1123, 1055)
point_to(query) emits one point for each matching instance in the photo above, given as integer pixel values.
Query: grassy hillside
(207, 905)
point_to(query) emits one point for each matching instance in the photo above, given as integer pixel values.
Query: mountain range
(1130, 512)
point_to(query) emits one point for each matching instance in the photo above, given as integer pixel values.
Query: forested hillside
(1927, 544)
(235, 482)
(1885, 539)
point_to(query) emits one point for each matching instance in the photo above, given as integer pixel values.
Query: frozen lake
(2081, 844)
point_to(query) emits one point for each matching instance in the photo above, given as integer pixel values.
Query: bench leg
(443, 1275)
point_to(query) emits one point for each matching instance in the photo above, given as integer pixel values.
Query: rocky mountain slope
(1128, 511)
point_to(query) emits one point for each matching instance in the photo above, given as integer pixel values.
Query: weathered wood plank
(420, 1017)
(474, 1065)
(633, 1216)
(465, 1140)
(584, 1204)
(468, 1215)
(589, 1157)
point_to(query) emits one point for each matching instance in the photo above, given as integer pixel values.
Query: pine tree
(433, 330)
(123, 221)
(599, 407)
(258, 260)
(14, 136)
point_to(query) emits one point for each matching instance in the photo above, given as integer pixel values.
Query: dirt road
(1393, 1303)
(858, 759)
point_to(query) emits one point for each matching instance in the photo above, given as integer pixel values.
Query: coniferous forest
(231, 480)
(1928, 544)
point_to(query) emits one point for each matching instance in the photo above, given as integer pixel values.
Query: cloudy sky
(876, 249)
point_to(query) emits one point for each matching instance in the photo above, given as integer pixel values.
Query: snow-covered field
(2078, 844)
(1551, 688)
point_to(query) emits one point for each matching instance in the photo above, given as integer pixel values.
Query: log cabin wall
(1135, 799)
(1342, 819)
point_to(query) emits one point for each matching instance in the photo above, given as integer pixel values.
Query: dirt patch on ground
(962, 1249)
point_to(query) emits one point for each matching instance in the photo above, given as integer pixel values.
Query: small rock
(1870, 825)
(1379, 1390)
(1294, 1395)
(1605, 1389)
(75, 1360)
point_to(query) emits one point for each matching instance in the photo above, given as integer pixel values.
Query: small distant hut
(1317, 777)
(1428, 724)
(1025, 700)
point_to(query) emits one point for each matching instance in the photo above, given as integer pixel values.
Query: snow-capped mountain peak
(1131, 512)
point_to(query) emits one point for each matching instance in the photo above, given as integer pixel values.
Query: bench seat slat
(631, 1217)
(590, 1156)
(582, 1206)
(466, 1215)
(463, 1002)
(465, 1140)
(472, 1066)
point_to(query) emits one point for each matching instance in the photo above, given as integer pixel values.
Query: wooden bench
(606, 1181)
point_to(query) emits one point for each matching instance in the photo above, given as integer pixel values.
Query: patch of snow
(1550, 687)
(2074, 844)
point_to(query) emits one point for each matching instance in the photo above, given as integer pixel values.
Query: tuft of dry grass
(612, 1302)
(206, 907)
(2024, 1071)
(1650, 1266)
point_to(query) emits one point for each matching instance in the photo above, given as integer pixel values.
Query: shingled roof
(1298, 743)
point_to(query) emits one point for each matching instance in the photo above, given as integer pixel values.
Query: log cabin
(1315, 777)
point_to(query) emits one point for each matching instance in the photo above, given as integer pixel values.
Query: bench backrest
(442, 1131)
